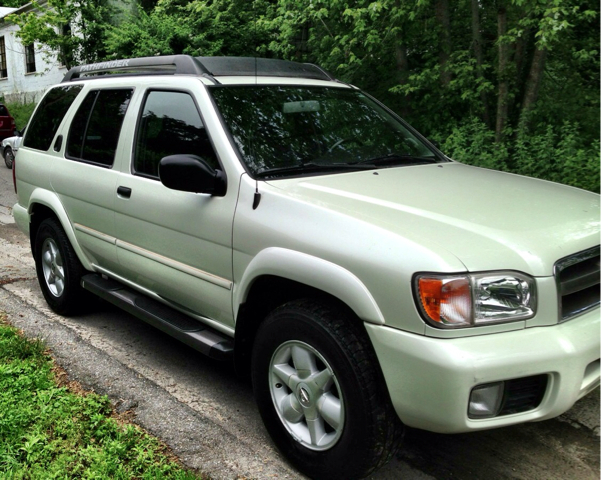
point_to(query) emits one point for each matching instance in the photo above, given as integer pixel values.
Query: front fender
(49, 199)
(314, 272)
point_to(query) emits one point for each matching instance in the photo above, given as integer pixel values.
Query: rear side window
(94, 133)
(49, 115)
(170, 124)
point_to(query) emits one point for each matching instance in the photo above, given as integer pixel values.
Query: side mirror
(190, 173)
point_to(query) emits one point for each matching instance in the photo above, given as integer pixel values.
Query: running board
(178, 325)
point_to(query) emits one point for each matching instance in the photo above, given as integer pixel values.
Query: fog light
(485, 400)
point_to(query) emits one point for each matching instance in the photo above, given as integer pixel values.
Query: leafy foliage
(519, 69)
(20, 112)
(557, 154)
(199, 27)
(72, 30)
(48, 432)
(14, 3)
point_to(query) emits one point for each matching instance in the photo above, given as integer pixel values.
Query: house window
(30, 58)
(65, 53)
(3, 70)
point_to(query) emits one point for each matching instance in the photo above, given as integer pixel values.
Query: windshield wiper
(310, 167)
(393, 158)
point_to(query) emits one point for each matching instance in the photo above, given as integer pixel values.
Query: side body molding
(314, 272)
(49, 199)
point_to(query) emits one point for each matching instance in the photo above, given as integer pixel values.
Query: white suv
(262, 211)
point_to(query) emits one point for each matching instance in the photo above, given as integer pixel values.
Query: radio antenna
(257, 197)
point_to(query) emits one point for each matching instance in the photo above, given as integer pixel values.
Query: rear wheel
(321, 393)
(58, 268)
(9, 157)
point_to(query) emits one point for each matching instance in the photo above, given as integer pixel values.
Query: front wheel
(9, 157)
(58, 268)
(320, 391)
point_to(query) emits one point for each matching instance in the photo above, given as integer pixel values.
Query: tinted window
(49, 115)
(96, 126)
(170, 125)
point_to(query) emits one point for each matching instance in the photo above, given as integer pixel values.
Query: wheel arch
(44, 204)
(276, 276)
(317, 273)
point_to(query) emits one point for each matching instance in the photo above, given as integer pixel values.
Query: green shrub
(21, 112)
(559, 155)
(474, 143)
(556, 153)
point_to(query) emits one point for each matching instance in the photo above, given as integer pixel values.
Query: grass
(48, 431)
(21, 113)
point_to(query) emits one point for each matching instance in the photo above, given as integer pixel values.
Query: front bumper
(430, 379)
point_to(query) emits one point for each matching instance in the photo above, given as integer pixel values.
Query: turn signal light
(446, 300)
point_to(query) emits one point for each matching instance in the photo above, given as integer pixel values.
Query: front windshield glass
(291, 130)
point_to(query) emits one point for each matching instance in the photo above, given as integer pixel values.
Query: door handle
(124, 192)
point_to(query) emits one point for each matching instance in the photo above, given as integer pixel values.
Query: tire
(9, 157)
(321, 393)
(58, 268)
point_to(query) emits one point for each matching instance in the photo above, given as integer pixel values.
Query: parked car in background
(7, 123)
(10, 146)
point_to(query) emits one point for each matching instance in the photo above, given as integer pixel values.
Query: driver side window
(170, 124)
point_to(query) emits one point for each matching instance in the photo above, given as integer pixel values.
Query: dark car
(7, 123)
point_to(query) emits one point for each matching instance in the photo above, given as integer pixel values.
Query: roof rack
(262, 67)
(171, 64)
(203, 66)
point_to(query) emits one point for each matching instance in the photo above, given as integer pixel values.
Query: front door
(175, 244)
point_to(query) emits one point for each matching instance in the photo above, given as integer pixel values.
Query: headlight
(452, 301)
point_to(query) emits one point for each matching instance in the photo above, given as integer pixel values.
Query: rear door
(84, 178)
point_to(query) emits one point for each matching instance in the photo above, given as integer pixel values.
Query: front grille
(577, 279)
(523, 394)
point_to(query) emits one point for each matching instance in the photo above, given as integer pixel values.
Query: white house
(25, 71)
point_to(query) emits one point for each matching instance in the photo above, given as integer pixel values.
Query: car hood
(487, 219)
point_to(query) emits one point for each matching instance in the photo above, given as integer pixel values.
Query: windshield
(291, 130)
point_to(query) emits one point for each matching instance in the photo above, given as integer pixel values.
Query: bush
(21, 113)
(557, 154)
(474, 143)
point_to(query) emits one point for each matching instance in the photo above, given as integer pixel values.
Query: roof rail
(204, 66)
(171, 64)
(262, 67)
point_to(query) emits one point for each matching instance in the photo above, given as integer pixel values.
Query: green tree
(72, 30)
(147, 34)
(14, 3)
(509, 76)
(199, 27)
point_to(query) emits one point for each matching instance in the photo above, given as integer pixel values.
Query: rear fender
(50, 200)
